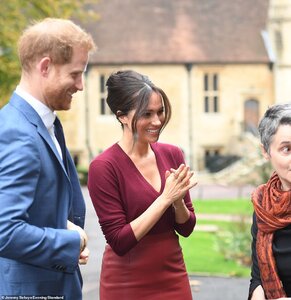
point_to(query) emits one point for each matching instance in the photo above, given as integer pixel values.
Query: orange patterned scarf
(272, 208)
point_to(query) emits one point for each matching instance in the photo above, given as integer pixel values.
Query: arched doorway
(251, 116)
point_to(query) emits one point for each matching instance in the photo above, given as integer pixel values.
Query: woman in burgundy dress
(140, 191)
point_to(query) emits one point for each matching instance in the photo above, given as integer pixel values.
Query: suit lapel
(33, 117)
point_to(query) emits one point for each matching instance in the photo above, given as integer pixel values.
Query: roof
(179, 31)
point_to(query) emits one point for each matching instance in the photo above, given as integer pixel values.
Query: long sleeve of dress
(103, 185)
(186, 228)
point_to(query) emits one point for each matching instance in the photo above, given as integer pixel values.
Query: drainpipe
(190, 123)
(87, 115)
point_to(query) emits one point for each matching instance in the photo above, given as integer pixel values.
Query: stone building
(215, 60)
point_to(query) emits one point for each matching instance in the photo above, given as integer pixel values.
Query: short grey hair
(274, 117)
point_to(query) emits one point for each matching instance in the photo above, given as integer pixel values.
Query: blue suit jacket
(38, 256)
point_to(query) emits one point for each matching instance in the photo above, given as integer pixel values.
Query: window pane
(206, 82)
(103, 105)
(102, 83)
(206, 104)
(215, 82)
(215, 104)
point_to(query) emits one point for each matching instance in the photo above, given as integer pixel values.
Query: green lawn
(235, 206)
(201, 251)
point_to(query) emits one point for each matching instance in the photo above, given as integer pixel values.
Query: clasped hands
(178, 182)
(84, 251)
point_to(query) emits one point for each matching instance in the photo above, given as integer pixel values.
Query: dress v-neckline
(138, 171)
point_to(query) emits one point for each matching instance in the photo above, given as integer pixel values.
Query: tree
(15, 15)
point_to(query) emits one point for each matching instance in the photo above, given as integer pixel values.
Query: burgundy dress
(152, 268)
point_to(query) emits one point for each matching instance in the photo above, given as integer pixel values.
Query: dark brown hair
(128, 90)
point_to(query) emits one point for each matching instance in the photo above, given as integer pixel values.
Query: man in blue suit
(42, 209)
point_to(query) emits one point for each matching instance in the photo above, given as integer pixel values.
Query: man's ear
(44, 66)
(264, 152)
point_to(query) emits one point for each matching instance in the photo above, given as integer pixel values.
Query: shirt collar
(45, 113)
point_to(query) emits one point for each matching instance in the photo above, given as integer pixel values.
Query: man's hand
(84, 239)
(84, 256)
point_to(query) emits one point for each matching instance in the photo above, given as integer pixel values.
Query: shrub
(83, 175)
(235, 243)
